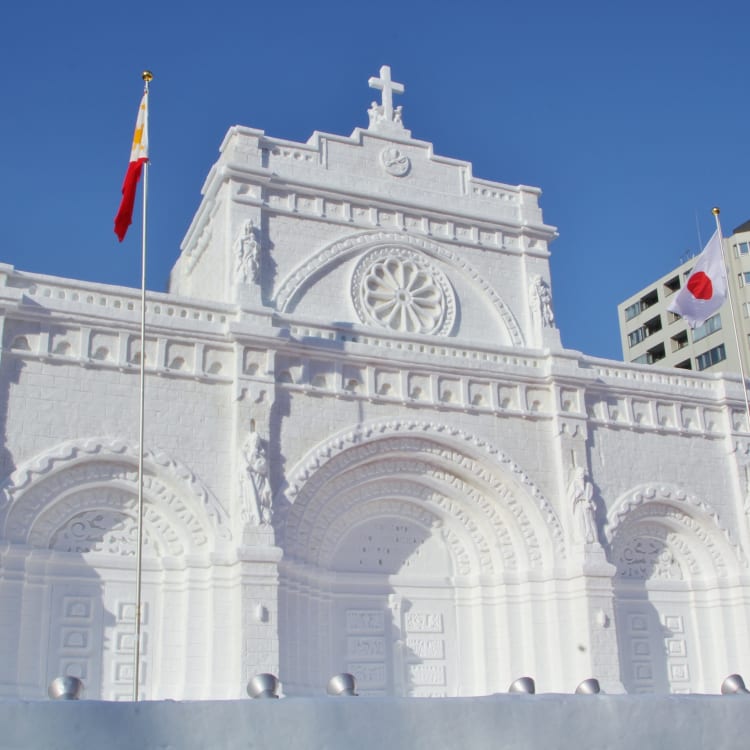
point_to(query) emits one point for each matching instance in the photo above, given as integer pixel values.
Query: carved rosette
(396, 288)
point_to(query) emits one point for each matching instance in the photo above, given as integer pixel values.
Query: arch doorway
(403, 554)
(675, 604)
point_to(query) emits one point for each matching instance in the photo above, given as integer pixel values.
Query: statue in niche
(540, 300)
(255, 489)
(581, 497)
(248, 255)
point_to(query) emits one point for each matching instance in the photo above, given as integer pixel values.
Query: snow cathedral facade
(366, 451)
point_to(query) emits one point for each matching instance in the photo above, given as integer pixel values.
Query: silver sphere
(342, 684)
(263, 685)
(523, 685)
(589, 687)
(65, 688)
(733, 685)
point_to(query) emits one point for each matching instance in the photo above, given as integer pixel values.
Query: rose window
(398, 289)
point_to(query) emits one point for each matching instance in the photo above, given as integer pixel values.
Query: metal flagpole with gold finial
(147, 76)
(716, 211)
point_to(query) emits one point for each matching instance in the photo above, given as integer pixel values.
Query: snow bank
(498, 722)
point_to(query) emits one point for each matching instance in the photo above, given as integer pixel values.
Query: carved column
(593, 632)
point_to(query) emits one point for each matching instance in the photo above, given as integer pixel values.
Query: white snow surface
(499, 722)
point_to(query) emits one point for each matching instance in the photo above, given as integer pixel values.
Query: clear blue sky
(633, 118)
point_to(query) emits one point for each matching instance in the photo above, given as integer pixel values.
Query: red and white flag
(706, 288)
(138, 157)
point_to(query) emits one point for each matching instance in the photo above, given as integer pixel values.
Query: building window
(635, 337)
(671, 286)
(744, 278)
(741, 248)
(711, 357)
(679, 341)
(656, 353)
(708, 327)
(649, 299)
(652, 326)
(632, 310)
(685, 365)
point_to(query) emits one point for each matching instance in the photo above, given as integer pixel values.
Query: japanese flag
(706, 288)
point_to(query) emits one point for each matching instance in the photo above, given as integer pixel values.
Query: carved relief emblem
(644, 558)
(399, 289)
(395, 162)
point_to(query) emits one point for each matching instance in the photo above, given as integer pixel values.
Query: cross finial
(389, 88)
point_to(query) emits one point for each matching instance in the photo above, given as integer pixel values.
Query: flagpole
(147, 78)
(716, 212)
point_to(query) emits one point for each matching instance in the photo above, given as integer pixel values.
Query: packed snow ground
(502, 722)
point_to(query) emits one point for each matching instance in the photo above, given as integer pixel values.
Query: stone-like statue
(540, 300)
(255, 489)
(248, 255)
(375, 113)
(581, 497)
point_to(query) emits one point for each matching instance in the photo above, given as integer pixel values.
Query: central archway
(403, 547)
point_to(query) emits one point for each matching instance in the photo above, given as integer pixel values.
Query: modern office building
(650, 334)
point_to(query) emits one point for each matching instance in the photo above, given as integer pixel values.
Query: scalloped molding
(292, 284)
(676, 497)
(162, 472)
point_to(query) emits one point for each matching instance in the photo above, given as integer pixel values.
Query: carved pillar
(259, 582)
(593, 632)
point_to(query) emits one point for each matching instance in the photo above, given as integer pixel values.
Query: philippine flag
(706, 288)
(138, 157)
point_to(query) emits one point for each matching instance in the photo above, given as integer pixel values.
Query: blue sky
(633, 118)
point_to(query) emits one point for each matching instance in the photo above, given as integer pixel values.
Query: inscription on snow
(424, 622)
(365, 621)
(368, 675)
(365, 648)
(426, 648)
(427, 674)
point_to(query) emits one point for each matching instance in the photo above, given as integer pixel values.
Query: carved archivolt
(335, 253)
(477, 490)
(471, 549)
(82, 496)
(663, 532)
